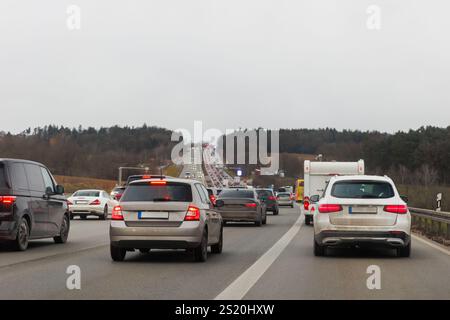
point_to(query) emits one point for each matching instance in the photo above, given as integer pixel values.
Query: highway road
(275, 261)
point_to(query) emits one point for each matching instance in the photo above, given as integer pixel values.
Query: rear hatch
(363, 203)
(161, 204)
(237, 204)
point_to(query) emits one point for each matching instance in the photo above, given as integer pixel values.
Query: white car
(85, 203)
(362, 211)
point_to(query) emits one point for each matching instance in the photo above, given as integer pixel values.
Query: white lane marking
(431, 244)
(239, 288)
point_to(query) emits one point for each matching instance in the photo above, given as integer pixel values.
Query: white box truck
(317, 174)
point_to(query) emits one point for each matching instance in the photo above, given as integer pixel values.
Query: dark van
(32, 205)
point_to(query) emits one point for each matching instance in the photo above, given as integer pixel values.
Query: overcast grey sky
(230, 63)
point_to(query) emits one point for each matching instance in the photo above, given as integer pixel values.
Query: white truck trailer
(317, 174)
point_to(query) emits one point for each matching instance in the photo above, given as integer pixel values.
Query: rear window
(237, 194)
(3, 184)
(178, 192)
(284, 194)
(263, 193)
(95, 194)
(362, 190)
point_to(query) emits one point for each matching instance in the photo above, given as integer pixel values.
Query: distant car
(269, 199)
(84, 203)
(285, 199)
(241, 205)
(360, 211)
(212, 194)
(117, 193)
(166, 213)
(32, 204)
(187, 175)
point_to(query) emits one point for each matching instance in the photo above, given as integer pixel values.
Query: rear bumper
(8, 230)
(239, 216)
(188, 235)
(362, 238)
(286, 203)
(86, 210)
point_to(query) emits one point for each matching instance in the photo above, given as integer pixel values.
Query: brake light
(96, 202)
(146, 177)
(213, 199)
(117, 213)
(272, 198)
(6, 203)
(398, 209)
(313, 209)
(192, 214)
(306, 203)
(250, 205)
(158, 183)
(330, 208)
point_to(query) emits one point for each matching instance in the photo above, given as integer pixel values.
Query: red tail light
(306, 203)
(96, 202)
(192, 214)
(69, 203)
(118, 196)
(272, 198)
(330, 208)
(6, 203)
(213, 199)
(250, 205)
(398, 209)
(117, 213)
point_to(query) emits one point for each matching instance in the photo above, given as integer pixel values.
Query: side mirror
(219, 203)
(59, 189)
(404, 198)
(314, 199)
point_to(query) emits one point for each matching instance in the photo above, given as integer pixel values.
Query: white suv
(362, 211)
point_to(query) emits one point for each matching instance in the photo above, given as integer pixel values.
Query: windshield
(362, 190)
(94, 194)
(179, 192)
(237, 194)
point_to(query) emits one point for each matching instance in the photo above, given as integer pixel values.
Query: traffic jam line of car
(160, 212)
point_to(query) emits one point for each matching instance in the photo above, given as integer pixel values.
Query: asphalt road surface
(275, 261)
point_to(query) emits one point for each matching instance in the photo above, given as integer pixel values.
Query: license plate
(362, 210)
(81, 202)
(153, 215)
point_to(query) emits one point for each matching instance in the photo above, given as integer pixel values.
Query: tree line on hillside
(419, 156)
(90, 152)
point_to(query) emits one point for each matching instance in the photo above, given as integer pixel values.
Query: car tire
(105, 213)
(217, 248)
(117, 253)
(319, 251)
(71, 216)
(307, 220)
(22, 237)
(63, 231)
(201, 252)
(144, 251)
(258, 222)
(83, 217)
(404, 252)
(264, 221)
(276, 212)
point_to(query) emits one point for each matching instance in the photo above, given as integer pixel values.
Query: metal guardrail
(432, 223)
(434, 215)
